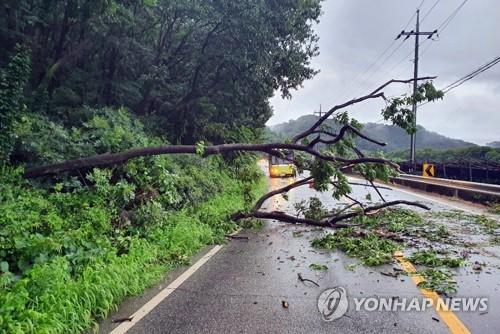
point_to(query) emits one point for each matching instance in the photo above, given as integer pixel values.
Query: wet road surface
(242, 287)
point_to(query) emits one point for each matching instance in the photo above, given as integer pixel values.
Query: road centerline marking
(156, 300)
(455, 325)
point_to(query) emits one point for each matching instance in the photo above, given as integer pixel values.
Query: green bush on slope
(66, 260)
(73, 247)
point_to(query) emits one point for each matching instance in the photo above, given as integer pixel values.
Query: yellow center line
(450, 319)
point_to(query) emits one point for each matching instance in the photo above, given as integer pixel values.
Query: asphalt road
(241, 289)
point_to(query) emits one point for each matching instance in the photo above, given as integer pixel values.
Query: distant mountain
(494, 144)
(395, 137)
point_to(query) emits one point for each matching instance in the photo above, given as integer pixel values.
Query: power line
(447, 21)
(409, 54)
(442, 27)
(360, 77)
(419, 6)
(444, 24)
(469, 76)
(430, 10)
(464, 79)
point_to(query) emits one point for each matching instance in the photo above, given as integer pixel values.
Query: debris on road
(302, 279)
(395, 275)
(237, 237)
(119, 320)
(318, 267)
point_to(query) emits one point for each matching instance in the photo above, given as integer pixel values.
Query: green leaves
(371, 249)
(399, 109)
(431, 258)
(311, 209)
(4, 266)
(322, 171)
(318, 267)
(204, 69)
(62, 252)
(439, 280)
(13, 80)
(200, 148)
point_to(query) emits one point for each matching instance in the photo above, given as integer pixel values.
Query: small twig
(361, 155)
(238, 237)
(122, 320)
(302, 279)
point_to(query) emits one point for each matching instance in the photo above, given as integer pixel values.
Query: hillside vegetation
(395, 137)
(459, 155)
(72, 248)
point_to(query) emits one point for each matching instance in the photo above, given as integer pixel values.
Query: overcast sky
(353, 33)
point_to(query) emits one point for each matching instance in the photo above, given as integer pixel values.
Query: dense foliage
(200, 70)
(71, 248)
(70, 256)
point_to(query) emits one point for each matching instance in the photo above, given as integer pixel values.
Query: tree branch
(361, 155)
(289, 187)
(369, 209)
(340, 136)
(281, 216)
(109, 159)
(373, 95)
(333, 222)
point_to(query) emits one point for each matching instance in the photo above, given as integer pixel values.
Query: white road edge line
(436, 200)
(153, 302)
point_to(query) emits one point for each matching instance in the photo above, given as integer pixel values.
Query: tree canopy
(201, 70)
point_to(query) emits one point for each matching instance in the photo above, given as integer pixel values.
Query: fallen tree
(327, 154)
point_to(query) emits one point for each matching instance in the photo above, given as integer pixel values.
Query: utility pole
(408, 34)
(319, 113)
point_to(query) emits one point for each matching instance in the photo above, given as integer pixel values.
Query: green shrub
(69, 255)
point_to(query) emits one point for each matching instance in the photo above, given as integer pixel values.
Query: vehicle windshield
(278, 161)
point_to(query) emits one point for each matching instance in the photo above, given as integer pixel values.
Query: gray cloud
(352, 33)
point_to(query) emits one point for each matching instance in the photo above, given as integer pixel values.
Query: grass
(83, 265)
(52, 300)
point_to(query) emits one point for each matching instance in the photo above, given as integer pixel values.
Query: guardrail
(469, 191)
(462, 170)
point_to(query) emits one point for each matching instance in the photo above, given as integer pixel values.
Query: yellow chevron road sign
(429, 170)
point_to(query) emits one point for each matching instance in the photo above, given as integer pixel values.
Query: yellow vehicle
(279, 167)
